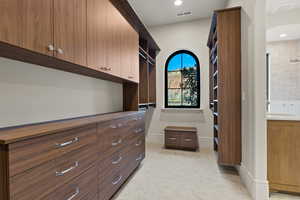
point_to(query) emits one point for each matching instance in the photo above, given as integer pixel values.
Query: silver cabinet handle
(172, 138)
(76, 139)
(139, 130)
(102, 68)
(139, 143)
(116, 143)
(60, 51)
(188, 140)
(75, 194)
(117, 161)
(120, 125)
(139, 158)
(118, 180)
(113, 126)
(51, 47)
(137, 118)
(108, 68)
(67, 170)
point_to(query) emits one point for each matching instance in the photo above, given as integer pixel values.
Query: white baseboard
(204, 142)
(258, 189)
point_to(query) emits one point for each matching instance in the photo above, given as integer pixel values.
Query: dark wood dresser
(183, 138)
(80, 159)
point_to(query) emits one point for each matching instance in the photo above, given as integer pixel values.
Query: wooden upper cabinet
(129, 52)
(10, 22)
(125, 50)
(97, 34)
(27, 24)
(37, 26)
(134, 55)
(113, 45)
(90, 33)
(70, 30)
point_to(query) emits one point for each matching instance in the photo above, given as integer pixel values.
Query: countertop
(282, 117)
(15, 134)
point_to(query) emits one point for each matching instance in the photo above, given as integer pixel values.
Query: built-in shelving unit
(145, 91)
(225, 84)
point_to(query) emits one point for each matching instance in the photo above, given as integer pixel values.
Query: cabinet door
(70, 30)
(37, 25)
(97, 34)
(10, 22)
(27, 24)
(134, 55)
(114, 24)
(125, 50)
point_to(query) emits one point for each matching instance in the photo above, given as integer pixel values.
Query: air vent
(184, 14)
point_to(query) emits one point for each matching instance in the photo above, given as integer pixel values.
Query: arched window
(182, 80)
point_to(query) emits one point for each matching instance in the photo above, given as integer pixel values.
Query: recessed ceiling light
(178, 2)
(283, 35)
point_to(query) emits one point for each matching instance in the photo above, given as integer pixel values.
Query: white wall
(254, 146)
(31, 94)
(190, 36)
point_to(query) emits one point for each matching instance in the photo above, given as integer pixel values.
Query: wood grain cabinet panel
(129, 52)
(27, 24)
(113, 45)
(97, 34)
(70, 30)
(24, 155)
(37, 25)
(11, 22)
(283, 155)
(66, 164)
(134, 55)
(51, 175)
(83, 187)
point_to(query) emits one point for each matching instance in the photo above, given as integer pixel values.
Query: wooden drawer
(172, 140)
(124, 155)
(110, 183)
(39, 181)
(189, 141)
(34, 152)
(83, 187)
(112, 135)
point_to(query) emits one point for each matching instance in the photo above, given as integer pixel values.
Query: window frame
(166, 80)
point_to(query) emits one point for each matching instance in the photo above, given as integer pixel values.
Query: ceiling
(283, 19)
(292, 32)
(274, 6)
(160, 12)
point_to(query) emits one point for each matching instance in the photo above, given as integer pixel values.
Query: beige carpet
(180, 175)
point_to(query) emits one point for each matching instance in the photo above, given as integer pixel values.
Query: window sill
(193, 110)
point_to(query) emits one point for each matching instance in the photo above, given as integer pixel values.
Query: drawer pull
(75, 194)
(137, 118)
(67, 143)
(139, 158)
(120, 125)
(67, 170)
(117, 161)
(113, 126)
(172, 138)
(188, 140)
(139, 143)
(116, 143)
(139, 130)
(117, 181)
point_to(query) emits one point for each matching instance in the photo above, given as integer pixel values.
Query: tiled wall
(284, 76)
